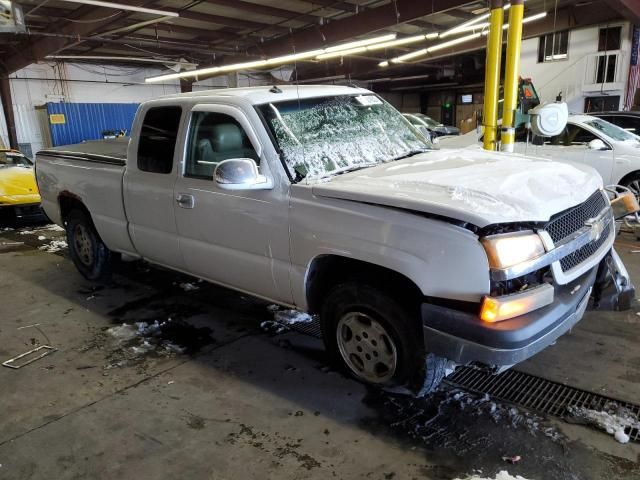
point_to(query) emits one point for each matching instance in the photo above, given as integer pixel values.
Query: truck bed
(106, 151)
(91, 172)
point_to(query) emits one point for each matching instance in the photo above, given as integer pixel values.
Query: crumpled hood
(474, 186)
(18, 185)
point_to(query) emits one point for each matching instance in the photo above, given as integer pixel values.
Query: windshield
(324, 136)
(428, 120)
(611, 130)
(13, 159)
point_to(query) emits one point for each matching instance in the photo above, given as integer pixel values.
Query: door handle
(185, 200)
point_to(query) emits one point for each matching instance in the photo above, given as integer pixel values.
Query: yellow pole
(492, 75)
(512, 75)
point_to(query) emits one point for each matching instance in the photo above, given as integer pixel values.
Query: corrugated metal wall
(87, 121)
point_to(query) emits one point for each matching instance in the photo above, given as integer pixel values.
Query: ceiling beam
(362, 23)
(264, 10)
(33, 50)
(567, 18)
(630, 9)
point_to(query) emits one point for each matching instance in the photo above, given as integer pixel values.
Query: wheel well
(328, 271)
(628, 177)
(68, 203)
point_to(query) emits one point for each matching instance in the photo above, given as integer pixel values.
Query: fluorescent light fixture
(276, 60)
(378, 46)
(532, 18)
(409, 56)
(535, 17)
(293, 57)
(463, 27)
(453, 42)
(361, 43)
(121, 6)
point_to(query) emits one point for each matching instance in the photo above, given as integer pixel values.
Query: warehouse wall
(42, 83)
(569, 76)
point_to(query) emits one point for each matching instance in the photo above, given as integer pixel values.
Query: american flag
(634, 69)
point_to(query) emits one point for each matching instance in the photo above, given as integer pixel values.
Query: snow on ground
(188, 286)
(39, 230)
(502, 475)
(141, 338)
(54, 246)
(614, 419)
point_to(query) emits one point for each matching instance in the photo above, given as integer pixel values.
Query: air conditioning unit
(11, 17)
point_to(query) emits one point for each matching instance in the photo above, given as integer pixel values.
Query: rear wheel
(90, 255)
(375, 339)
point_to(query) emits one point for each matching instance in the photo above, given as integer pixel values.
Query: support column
(492, 75)
(7, 108)
(512, 76)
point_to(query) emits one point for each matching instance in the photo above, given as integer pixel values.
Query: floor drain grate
(535, 393)
(311, 328)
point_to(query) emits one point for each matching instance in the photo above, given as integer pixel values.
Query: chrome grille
(580, 255)
(570, 221)
(565, 223)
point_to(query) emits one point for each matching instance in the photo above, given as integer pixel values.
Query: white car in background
(611, 150)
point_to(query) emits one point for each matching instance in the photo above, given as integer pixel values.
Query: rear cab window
(158, 136)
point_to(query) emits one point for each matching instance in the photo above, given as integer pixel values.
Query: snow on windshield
(322, 136)
(612, 131)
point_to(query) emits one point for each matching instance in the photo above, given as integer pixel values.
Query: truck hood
(473, 186)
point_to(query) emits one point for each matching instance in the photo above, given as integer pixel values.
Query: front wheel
(376, 340)
(633, 184)
(90, 255)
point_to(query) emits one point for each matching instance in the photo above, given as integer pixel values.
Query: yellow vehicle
(19, 196)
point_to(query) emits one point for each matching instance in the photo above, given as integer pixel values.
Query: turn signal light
(496, 309)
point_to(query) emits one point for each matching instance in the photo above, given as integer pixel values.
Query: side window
(578, 135)
(158, 139)
(215, 137)
(572, 135)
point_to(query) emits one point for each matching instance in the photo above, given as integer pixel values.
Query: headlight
(507, 250)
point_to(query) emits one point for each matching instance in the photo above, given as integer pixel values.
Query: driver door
(237, 238)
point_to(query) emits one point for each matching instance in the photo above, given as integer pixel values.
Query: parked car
(630, 121)
(421, 121)
(322, 198)
(19, 197)
(611, 150)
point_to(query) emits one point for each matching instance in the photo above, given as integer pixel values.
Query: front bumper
(464, 338)
(29, 211)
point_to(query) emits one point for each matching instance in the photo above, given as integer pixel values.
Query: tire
(372, 337)
(632, 182)
(90, 255)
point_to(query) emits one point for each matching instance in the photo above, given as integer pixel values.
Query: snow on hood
(474, 186)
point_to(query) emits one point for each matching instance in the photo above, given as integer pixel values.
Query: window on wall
(609, 39)
(158, 139)
(553, 46)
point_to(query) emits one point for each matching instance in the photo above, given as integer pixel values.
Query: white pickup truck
(327, 200)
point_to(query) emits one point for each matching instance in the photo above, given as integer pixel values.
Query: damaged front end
(543, 279)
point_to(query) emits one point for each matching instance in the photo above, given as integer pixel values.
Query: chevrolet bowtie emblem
(597, 227)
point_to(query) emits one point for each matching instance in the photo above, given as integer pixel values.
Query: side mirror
(597, 144)
(240, 174)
